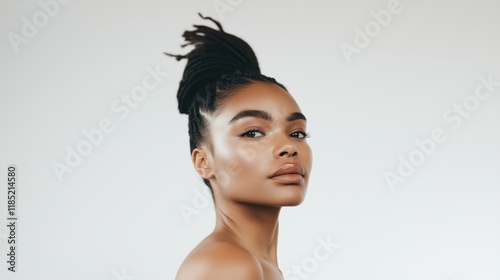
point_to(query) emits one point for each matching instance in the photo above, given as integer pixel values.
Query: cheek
(237, 163)
(307, 156)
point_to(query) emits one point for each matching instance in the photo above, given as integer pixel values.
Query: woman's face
(258, 131)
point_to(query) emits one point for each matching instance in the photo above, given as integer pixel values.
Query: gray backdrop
(402, 99)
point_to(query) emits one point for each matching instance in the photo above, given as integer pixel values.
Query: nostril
(287, 153)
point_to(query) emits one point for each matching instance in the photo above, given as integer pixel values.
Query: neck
(254, 227)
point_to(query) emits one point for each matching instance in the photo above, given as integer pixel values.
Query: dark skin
(245, 152)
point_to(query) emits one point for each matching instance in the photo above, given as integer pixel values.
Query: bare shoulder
(220, 260)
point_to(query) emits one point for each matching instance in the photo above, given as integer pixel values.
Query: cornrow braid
(219, 65)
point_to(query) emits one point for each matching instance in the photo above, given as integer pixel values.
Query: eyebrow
(265, 116)
(296, 116)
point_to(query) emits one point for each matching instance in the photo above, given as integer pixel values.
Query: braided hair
(219, 65)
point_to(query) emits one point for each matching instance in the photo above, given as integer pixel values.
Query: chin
(291, 204)
(291, 199)
(294, 203)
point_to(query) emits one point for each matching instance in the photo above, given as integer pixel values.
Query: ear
(202, 163)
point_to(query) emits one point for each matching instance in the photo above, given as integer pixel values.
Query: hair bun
(215, 53)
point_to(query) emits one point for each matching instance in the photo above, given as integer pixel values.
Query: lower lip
(288, 179)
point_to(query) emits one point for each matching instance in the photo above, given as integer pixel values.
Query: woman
(247, 141)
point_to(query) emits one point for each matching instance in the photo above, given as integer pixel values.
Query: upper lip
(289, 168)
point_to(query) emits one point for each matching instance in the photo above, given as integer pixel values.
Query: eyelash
(245, 134)
(306, 135)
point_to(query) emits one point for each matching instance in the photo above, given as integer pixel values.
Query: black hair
(219, 65)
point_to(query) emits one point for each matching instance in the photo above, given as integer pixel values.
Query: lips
(289, 173)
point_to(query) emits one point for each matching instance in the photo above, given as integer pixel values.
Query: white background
(116, 215)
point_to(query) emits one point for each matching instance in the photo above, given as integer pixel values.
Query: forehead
(260, 96)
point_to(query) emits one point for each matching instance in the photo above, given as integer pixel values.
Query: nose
(285, 148)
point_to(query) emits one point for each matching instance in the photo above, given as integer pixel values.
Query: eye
(299, 134)
(252, 133)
